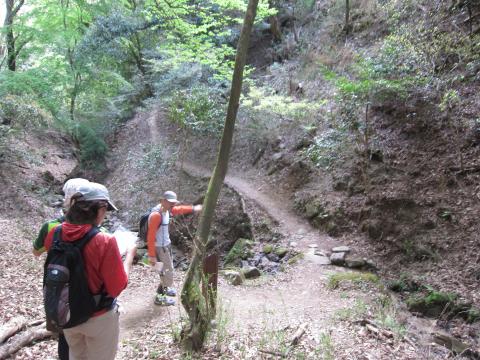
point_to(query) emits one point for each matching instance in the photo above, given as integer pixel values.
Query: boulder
(251, 272)
(234, 277)
(338, 258)
(340, 249)
(281, 252)
(355, 263)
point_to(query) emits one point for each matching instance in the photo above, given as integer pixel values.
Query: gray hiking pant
(164, 256)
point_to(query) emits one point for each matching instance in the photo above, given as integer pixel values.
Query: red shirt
(103, 263)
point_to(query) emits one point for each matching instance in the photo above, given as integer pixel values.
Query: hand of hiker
(152, 260)
(197, 208)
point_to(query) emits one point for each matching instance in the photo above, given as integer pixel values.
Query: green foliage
(89, 64)
(418, 251)
(196, 110)
(22, 113)
(295, 259)
(326, 147)
(222, 321)
(438, 297)
(473, 315)
(357, 310)
(6, 132)
(267, 248)
(156, 159)
(240, 250)
(403, 283)
(92, 148)
(264, 103)
(334, 280)
(326, 349)
(431, 302)
(36, 84)
(386, 314)
(449, 100)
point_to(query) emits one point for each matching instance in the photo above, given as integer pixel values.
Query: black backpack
(143, 224)
(67, 299)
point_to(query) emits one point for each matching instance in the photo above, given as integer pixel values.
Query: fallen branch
(378, 331)
(298, 334)
(467, 170)
(295, 339)
(374, 328)
(274, 353)
(409, 342)
(35, 323)
(23, 339)
(11, 328)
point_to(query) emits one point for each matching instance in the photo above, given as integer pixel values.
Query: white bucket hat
(70, 187)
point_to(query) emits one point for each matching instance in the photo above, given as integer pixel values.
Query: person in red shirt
(97, 338)
(159, 244)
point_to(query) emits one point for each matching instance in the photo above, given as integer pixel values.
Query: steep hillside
(368, 131)
(374, 136)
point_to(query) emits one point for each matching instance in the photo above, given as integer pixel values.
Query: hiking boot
(163, 300)
(166, 291)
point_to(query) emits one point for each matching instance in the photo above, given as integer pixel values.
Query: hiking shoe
(170, 291)
(163, 300)
(166, 291)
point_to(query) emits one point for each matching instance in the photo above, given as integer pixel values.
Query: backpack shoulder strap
(87, 237)
(57, 235)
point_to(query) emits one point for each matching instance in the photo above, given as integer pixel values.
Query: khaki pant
(164, 255)
(96, 339)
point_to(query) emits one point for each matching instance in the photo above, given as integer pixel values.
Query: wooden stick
(11, 328)
(298, 334)
(274, 353)
(19, 341)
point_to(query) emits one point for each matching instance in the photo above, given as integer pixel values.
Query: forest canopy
(84, 66)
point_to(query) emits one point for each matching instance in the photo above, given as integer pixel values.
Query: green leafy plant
(197, 111)
(326, 349)
(334, 280)
(240, 250)
(358, 309)
(156, 159)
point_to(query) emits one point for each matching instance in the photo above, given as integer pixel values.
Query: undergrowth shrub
(19, 114)
(326, 147)
(267, 111)
(91, 147)
(197, 110)
(22, 113)
(155, 160)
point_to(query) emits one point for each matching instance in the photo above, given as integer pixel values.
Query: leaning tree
(195, 301)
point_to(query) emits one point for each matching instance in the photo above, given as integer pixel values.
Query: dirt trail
(288, 295)
(290, 225)
(284, 301)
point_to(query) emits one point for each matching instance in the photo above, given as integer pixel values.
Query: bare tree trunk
(10, 13)
(347, 27)
(193, 299)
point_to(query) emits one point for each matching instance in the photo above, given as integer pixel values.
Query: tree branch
(16, 9)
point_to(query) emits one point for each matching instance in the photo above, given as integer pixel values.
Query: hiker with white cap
(69, 188)
(159, 244)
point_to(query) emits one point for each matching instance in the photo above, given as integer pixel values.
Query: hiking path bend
(272, 302)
